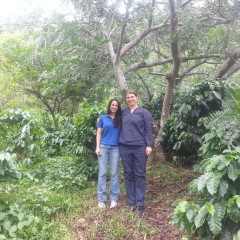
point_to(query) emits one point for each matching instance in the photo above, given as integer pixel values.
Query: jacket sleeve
(148, 125)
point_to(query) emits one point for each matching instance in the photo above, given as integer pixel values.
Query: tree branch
(227, 64)
(197, 73)
(143, 34)
(186, 72)
(232, 70)
(168, 60)
(157, 74)
(117, 58)
(187, 2)
(146, 86)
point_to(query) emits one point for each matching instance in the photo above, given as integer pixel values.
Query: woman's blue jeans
(109, 156)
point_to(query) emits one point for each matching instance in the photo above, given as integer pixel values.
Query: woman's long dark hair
(117, 121)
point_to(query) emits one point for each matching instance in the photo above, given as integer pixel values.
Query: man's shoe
(130, 208)
(101, 205)
(113, 204)
(140, 211)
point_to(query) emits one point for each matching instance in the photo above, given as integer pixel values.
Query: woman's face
(114, 106)
(131, 99)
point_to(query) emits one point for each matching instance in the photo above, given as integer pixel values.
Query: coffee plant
(183, 132)
(216, 212)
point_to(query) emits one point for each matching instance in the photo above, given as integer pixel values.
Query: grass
(70, 214)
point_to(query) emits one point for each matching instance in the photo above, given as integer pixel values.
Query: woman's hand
(148, 150)
(98, 151)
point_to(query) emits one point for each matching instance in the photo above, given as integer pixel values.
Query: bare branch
(196, 73)
(214, 62)
(187, 71)
(151, 17)
(159, 53)
(157, 74)
(187, 2)
(117, 58)
(169, 60)
(150, 95)
(143, 34)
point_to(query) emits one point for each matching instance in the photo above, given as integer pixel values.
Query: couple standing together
(126, 133)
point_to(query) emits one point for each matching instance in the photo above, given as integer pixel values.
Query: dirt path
(165, 184)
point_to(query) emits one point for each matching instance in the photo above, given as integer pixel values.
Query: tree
(156, 36)
(55, 64)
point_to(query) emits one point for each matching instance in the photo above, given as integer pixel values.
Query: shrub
(62, 173)
(183, 132)
(155, 107)
(217, 210)
(8, 166)
(20, 133)
(223, 128)
(16, 222)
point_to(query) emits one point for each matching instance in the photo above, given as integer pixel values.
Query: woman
(136, 142)
(107, 149)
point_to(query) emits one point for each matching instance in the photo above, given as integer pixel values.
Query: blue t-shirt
(110, 134)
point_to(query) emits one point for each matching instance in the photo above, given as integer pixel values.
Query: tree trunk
(172, 76)
(120, 78)
(167, 102)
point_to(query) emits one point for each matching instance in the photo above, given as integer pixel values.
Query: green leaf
(232, 188)
(220, 209)
(233, 210)
(7, 225)
(223, 188)
(201, 182)
(191, 213)
(233, 170)
(212, 184)
(34, 230)
(187, 225)
(181, 207)
(210, 208)
(21, 225)
(2, 216)
(20, 216)
(238, 200)
(237, 236)
(13, 229)
(215, 224)
(200, 217)
(217, 95)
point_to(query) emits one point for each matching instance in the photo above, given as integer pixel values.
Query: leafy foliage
(182, 133)
(16, 222)
(155, 107)
(63, 173)
(20, 133)
(8, 166)
(218, 206)
(223, 128)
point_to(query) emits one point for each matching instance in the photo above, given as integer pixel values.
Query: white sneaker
(101, 205)
(113, 204)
